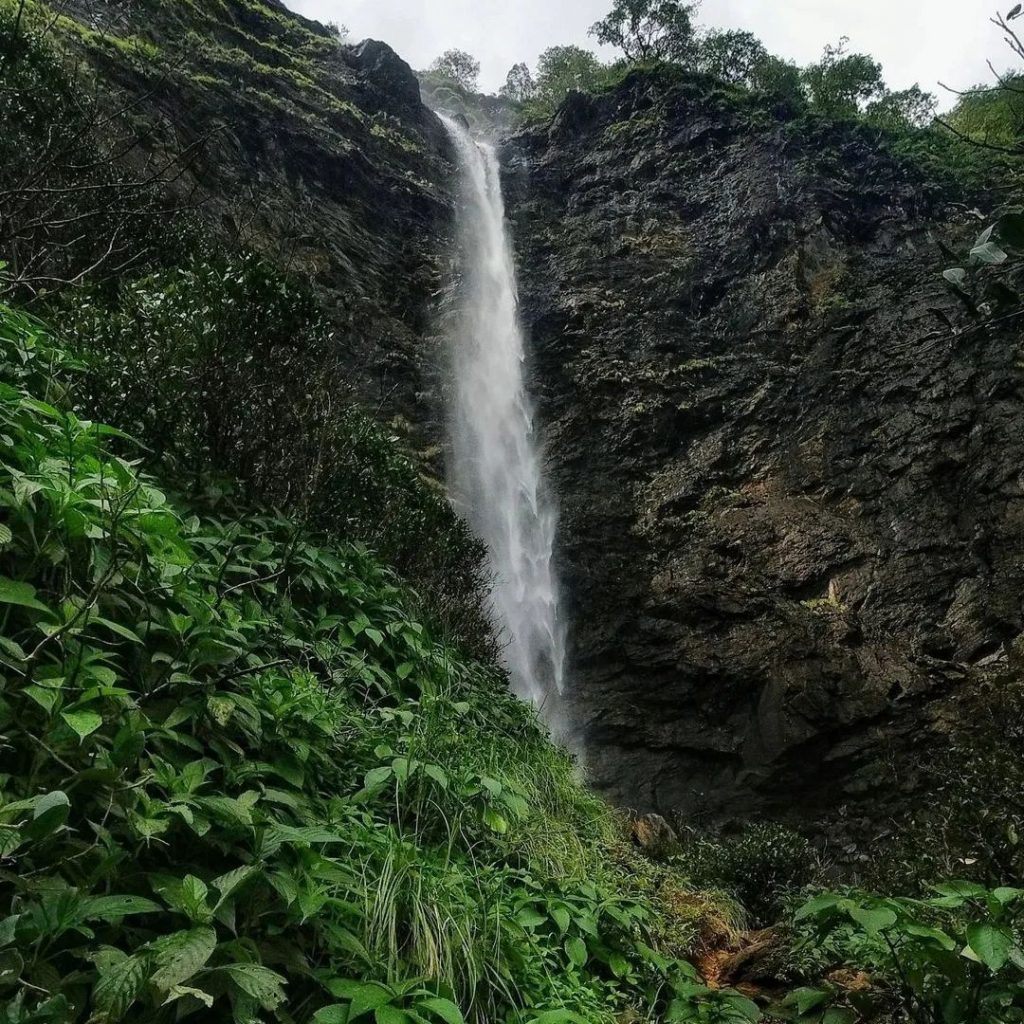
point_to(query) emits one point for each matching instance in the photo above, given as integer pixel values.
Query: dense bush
(224, 364)
(952, 958)
(972, 824)
(243, 779)
(758, 866)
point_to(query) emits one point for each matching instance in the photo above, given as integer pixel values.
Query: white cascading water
(495, 467)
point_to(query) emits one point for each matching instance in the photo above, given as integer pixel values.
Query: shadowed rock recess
(791, 499)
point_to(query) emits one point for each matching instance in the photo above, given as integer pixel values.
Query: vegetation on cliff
(257, 759)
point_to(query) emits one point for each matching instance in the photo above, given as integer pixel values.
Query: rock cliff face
(792, 510)
(792, 515)
(316, 153)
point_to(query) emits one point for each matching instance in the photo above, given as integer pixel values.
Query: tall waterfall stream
(495, 467)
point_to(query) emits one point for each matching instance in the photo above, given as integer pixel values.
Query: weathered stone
(655, 836)
(792, 508)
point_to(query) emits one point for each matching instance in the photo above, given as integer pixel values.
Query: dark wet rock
(791, 498)
(317, 154)
(655, 836)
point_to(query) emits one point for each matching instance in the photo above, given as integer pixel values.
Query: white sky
(916, 40)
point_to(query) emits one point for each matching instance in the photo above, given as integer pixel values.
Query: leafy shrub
(759, 866)
(243, 779)
(972, 823)
(954, 958)
(226, 365)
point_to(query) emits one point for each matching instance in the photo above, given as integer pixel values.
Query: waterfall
(495, 466)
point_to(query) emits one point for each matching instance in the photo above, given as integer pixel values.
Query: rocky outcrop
(318, 154)
(792, 509)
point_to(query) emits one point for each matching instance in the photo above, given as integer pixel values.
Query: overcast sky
(916, 40)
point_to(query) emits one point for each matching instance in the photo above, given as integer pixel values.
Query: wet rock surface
(792, 510)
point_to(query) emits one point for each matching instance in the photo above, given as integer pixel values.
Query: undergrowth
(243, 777)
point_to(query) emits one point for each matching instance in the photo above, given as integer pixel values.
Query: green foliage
(649, 30)
(907, 108)
(991, 116)
(973, 822)
(242, 776)
(990, 282)
(841, 83)
(759, 866)
(953, 958)
(519, 84)
(560, 71)
(459, 67)
(226, 365)
(733, 56)
(68, 210)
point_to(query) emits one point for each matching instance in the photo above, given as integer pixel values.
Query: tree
(565, 69)
(459, 67)
(733, 56)
(649, 29)
(779, 78)
(519, 85)
(842, 83)
(906, 108)
(991, 118)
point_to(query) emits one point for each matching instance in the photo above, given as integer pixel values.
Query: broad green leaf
(258, 982)
(443, 1008)
(377, 776)
(179, 956)
(390, 1014)
(230, 882)
(367, 997)
(495, 821)
(118, 985)
(839, 1015)
(21, 594)
(818, 906)
(1006, 895)
(926, 932)
(619, 964)
(806, 999)
(337, 1014)
(44, 697)
(576, 950)
(561, 917)
(8, 929)
(193, 894)
(989, 253)
(112, 908)
(530, 918)
(84, 723)
(991, 943)
(873, 921)
(49, 813)
(116, 627)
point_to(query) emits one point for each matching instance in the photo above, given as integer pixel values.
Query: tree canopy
(649, 29)
(519, 84)
(459, 67)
